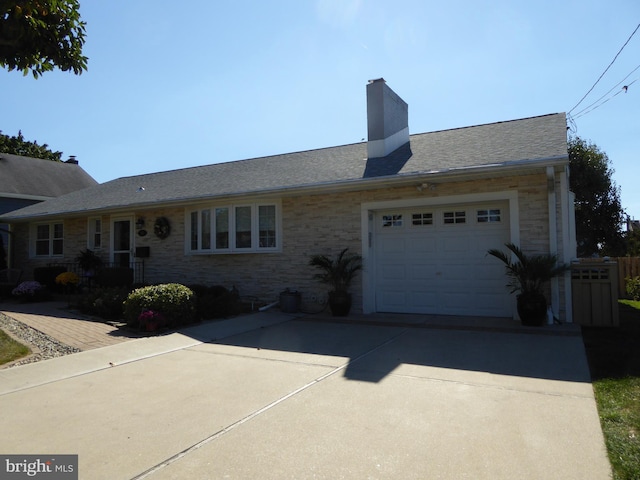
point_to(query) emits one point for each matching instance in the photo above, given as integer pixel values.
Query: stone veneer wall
(311, 223)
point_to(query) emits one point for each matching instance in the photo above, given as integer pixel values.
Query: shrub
(104, 302)
(216, 302)
(633, 287)
(227, 302)
(47, 276)
(68, 280)
(175, 302)
(114, 277)
(31, 291)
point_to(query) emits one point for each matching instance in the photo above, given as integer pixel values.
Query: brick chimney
(387, 119)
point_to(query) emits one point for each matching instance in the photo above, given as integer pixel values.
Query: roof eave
(444, 175)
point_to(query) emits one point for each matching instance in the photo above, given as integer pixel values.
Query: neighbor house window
(49, 239)
(94, 236)
(234, 229)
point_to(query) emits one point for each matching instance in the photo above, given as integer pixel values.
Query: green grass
(11, 350)
(619, 408)
(630, 303)
(614, 361)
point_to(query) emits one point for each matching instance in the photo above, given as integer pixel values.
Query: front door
(122, 241)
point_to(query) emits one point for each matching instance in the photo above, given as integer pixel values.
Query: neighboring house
(422, 210)
(25, 181)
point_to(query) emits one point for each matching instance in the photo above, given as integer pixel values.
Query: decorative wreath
(161, 228)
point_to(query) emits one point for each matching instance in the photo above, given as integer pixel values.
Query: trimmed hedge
(216, 302)
(175, 302)
(111, 277)
(104, 302)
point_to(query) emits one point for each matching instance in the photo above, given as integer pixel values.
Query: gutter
(446, 175)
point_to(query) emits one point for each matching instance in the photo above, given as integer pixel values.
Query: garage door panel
(422, 272)
(489, 302)
(483, 243)
(393, 272)
(454, 244)
(392, 245)
(395, 300)
(442, 268)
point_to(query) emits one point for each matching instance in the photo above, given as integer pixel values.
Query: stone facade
(311, 223)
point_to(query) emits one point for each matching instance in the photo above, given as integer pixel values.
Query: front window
(49, 239)
(222, 228)
(267, 226)
(243, 227)
(94, 236)
(234, 229)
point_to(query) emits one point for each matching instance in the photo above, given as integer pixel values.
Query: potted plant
(528, 275)
(338, 274)
(89, 262)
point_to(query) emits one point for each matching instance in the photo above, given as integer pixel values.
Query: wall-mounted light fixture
(140, 223)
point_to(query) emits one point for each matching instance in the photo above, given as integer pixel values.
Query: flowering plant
(29, 289)
(67, 278)
(151, 320)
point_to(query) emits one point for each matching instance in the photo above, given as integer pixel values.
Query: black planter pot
(532, 308)
(340, 303)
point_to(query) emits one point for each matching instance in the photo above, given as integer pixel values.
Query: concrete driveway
(278, 397)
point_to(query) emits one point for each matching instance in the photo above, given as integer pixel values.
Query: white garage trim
(367, 209)
(553, 235)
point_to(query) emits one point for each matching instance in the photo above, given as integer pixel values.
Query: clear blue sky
(180, 84)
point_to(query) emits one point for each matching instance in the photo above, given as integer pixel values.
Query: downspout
(553, 235)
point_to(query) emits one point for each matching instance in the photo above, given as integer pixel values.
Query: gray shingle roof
(26, 176)
(496, 144)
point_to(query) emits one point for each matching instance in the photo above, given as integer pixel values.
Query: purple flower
(29, 288)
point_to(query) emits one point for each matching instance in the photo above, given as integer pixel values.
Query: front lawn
(11, 350)
(614, 361)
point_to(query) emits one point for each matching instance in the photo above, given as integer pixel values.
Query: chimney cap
(377, 80)
(72, 160)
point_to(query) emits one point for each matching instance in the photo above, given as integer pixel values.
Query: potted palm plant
(528, 275)
(89, 262)
(338, 274)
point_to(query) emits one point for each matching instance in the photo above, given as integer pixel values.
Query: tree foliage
(599, 213)
(38, 35)
(632, 243)
(19, 146)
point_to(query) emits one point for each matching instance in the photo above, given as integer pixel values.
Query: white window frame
(488, 215)
(92, 232)
(50, 240)
(231, 247)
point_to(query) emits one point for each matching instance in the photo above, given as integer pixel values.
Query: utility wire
(577, 114)
(606, 69)
(610, 98)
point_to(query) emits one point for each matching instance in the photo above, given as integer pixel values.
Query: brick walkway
(67, 326)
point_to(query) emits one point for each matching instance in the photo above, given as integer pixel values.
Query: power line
(606, 69)
(578, 114)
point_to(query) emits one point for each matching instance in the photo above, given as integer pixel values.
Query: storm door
(122, 241)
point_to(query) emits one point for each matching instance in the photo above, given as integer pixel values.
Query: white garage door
(434, 260)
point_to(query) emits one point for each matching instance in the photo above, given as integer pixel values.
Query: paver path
(65, 325)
